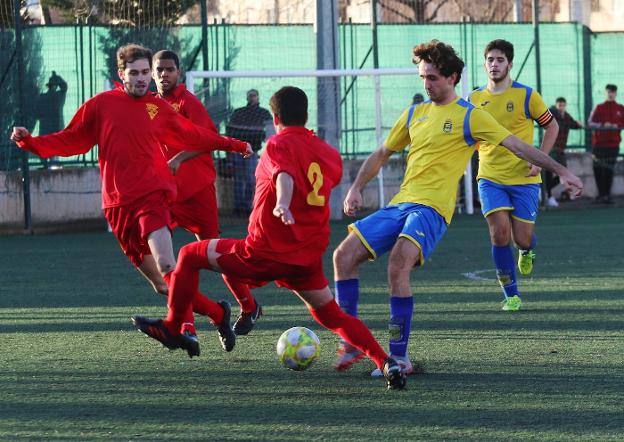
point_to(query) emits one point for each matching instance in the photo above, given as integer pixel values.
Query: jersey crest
(176, 106)
(448, 126)
(510, 106)
(152, 110)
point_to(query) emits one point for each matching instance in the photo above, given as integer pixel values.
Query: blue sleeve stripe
(410, 114)
(467, 132)
(527, 98)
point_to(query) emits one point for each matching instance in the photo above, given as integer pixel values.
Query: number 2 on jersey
(315, 176)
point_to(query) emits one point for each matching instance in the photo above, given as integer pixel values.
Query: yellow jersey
(441, 140)
(515, 108)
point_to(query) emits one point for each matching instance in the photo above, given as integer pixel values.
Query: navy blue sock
(504, 261)
(533, 242)
(400, 324)
(348, 295)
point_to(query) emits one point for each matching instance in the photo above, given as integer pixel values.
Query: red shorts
(238, 261)
(132, 223)
(198, 214)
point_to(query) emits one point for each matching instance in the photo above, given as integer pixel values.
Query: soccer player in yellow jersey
(509, 186)
(441, 134)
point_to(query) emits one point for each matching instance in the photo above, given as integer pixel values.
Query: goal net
(351, 109)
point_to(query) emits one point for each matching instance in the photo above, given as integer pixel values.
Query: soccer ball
(298, 348)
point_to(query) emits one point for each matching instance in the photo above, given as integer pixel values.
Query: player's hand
(174, 164)
(352, 202)
(19, 133)
(249, 152)
(572, 183)
(284, 214)
(534, 170)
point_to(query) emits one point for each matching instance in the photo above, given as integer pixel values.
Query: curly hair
(131, 53)
(441, 55)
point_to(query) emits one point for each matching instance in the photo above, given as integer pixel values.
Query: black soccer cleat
(155, 329)
(191, 345)
(226, 334)
(395, 378)
(246, 321)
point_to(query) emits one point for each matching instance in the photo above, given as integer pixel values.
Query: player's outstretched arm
(551, 130)
(368, 171)
(284, 185)
(539, 158)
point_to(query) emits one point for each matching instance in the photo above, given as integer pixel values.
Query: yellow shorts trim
(523, 220)
(417, 244)
(365, 243)
(498, 209)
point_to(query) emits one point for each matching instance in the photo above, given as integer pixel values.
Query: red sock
(207, 307)
(184, 281)
(241, 293)
(188, 323)
(351, 329)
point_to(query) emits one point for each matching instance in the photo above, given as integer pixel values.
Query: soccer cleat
(226, 334)
(525, 261)
(404, 362)
(155, 329)
(552, 202)
(395, 378)
(246, 321)
(347, 356)
(512, 304)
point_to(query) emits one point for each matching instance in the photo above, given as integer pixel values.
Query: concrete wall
(71, 197)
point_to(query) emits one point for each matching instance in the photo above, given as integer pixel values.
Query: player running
(288, 234)
(441, 134)
(128, 125)
(509, 186)
(195, 208)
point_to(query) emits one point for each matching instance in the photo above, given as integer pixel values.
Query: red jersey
(198, 172)
(608, 112)
(316, 168)
(128, 131)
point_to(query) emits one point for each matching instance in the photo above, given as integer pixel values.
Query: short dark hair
(502, 45)
(441, 55)
(611, 87)
(290, 104)
(167, 55)
(560, 100)
(132, 52)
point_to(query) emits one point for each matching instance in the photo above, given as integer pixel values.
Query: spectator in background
(50, 110)
(566, 122)
(249, 123)
(607, 120)
(418, 98)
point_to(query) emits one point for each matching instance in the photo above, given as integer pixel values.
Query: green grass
(72, 368)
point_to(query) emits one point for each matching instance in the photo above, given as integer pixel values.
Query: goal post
(371, 100)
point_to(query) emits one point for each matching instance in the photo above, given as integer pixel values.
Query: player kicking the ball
(288, 234)
(441, 135)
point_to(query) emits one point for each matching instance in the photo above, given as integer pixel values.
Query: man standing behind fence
(607, 120)
(249, 124)
(195, 208)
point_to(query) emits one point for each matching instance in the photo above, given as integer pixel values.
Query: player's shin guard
(505, 269)
(400, 324)
(351, 329)
(348, 295)
(241, 293)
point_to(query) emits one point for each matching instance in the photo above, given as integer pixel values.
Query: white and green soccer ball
(298, 348)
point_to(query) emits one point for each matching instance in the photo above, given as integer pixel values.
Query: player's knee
(165, 265)
(500, 235)
(193, 254)
(161, 288)
(398, 271)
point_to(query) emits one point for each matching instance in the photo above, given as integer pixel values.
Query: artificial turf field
(73, 368)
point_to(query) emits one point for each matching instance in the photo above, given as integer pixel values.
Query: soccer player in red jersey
(288, 234)
(128, 125)
(195, 208)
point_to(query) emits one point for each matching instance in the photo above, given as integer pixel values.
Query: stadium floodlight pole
(20, 114)
(328, 111)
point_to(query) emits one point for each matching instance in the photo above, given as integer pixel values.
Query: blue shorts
(521, 200)
(420, 224)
